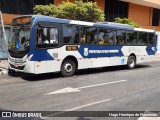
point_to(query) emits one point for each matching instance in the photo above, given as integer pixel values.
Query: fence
(3, 46)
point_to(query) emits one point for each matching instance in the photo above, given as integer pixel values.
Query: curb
(3, 72)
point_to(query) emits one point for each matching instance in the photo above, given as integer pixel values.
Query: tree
(79, 10)
(127, 21)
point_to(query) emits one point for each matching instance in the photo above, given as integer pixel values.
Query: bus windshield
(20, 38)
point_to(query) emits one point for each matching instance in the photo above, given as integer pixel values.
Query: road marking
(80, 107)
(70, 89)
(43, 118)
(102, 84)
(90, 104)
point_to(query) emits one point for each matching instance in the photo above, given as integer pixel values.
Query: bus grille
(18, 67)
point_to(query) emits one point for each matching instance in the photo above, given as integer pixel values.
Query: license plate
(15, 65)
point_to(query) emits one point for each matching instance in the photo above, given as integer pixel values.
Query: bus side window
(151, 39)
(106, 37)
(114, 37)
(76, 40)
(91, 35)
(121, 37)
(54, 35)
(103, 37)
(39, 35)
(100, 38)
(47, 37)
(132, 38)
(83, 38)
(70, 34)
(88, 35)
(142, 39)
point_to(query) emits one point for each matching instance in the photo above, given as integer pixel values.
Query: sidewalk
(4, 64)
(3, 67)
(157, 58)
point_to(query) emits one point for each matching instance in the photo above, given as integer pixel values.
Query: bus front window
(20, 38)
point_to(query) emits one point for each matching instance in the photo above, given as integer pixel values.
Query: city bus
(42, 44)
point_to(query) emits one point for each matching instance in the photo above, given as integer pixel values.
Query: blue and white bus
(42, 44)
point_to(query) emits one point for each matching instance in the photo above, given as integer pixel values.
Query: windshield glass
(20, 38)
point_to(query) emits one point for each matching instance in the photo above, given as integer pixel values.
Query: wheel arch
(71, 58)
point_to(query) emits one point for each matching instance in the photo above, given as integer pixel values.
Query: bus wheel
(131, 62)
(68, 68)
(11, 72)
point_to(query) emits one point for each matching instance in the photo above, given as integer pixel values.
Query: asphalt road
(105, 89)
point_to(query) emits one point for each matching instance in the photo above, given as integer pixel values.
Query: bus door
(47, 39)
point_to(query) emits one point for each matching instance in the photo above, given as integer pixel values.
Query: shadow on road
(108, 69)
(36, 77)
(48, 76)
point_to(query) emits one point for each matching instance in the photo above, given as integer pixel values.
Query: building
(12, 8)
(144, 12)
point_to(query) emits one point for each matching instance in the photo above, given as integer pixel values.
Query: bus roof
(143, 30)
(76, 22)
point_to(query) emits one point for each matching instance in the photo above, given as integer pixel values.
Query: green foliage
(84, 11)
(126, 21)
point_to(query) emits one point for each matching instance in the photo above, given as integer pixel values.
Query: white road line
(90, 104)
(102, 84)
(82, 106)
(43, 118)
(70, 89)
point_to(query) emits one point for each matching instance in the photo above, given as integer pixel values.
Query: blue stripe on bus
(100, 51)
(41, 55)
(151, 50)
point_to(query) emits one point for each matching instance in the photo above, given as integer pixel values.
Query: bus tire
(11, 72)
(131, 63)
(68, 68)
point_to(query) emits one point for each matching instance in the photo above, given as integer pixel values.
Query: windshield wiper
(22, 27)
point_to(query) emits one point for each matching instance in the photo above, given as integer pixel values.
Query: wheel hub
(131, 62)
(68, 67)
